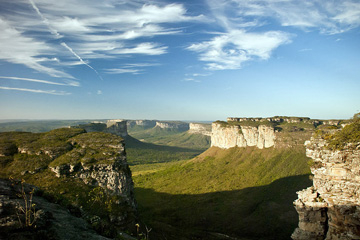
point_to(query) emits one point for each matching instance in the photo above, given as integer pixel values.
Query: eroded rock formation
(173, 125)
(330, 209)
(227, 136)
(199, 128)
(114, 126)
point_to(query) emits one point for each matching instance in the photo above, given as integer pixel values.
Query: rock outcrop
(94, 160)
(143, 123)
(115, 126)
(228, 136)
(200, 128)
(306, 120)
(98, 159)
(330, 209)
(48, 220)
(181, 126)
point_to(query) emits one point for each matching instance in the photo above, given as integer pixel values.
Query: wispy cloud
(69, 83)
(328, 17)
(146, 48)
(132, 68)
(87, 29)
(231, 49)
(52, 92)
(19, 49)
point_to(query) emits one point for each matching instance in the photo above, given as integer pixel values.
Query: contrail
(82, 61)
(56, 33)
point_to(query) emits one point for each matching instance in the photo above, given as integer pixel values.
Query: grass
(64, 146)
(139, 152)
(241, 192)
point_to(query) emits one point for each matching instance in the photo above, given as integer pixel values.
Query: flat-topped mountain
(84, 171)
(267, 132)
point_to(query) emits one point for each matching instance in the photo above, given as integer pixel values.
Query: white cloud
(328, 17)
(133, 68)
(230, 50)
(68, 83)
(52, 92)
(123, 70)
(147, 48)
(99, 92)
(93, 29)
(19, 49)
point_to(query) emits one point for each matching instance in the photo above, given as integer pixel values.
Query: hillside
(241, 192)
(156, 145)
(79, 170)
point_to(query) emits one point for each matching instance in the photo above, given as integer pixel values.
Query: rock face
(50, 220)
(330, 209)
(98, 159)
(115, 126)
(199, 128)
(143, 123)
(315, 122)
(242, 136)
(173, 125)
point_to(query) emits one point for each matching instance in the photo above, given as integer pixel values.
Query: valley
(188, 184)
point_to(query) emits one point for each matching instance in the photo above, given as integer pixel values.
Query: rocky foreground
(330, 209)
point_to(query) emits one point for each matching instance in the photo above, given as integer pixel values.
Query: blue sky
(179, 60)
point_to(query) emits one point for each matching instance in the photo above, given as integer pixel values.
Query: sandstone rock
(242, 136)
(331, 208)
(173, 125)
(199, 128)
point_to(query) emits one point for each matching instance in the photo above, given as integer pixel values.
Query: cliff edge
(330, 209)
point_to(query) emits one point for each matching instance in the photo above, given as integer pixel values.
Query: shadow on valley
(263, 212)
(139, 152)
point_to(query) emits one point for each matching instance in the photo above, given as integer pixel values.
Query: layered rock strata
(98, 159)
(330, 209)
(199, 128)
(315, 122)
(173, 125)
(229, 136)
(115, 126)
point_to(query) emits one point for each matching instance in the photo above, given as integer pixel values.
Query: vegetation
(60, 146)
(38, 126)
(241, 192)
(349, 134)
(163, 145)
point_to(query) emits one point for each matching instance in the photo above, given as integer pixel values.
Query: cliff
(181, 126)
(77, 168)
(143, 123)
(280, 132)
(330, 209)
(200, 128)
(114, 126)
(228, 136)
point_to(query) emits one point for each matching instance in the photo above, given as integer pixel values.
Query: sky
(179, 60)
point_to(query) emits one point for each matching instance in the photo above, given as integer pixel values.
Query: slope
(241, 192)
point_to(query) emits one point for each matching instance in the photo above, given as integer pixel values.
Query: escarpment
(279, 132)
(199, 128)
(85, 170)
(115, 126)
(242, 136)
(330, 209)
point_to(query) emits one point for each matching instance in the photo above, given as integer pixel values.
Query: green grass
(241, 192)
(139, 152)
